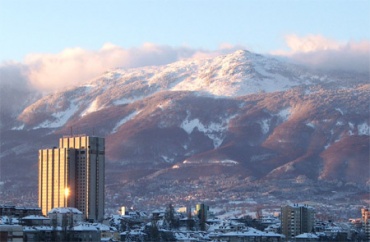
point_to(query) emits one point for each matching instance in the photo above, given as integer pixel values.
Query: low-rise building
(11, 232)
(35, 220)
(307, 237)
(42, 233)
(18, 212)
(84, 232)
(65, 216)
(249, 234)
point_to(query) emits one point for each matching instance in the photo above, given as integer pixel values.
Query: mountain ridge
(240, 115)
(236, 74)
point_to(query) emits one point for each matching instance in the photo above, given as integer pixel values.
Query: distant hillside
(242, 114)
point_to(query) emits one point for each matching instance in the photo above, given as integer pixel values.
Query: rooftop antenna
(71, 131)
(93, 131)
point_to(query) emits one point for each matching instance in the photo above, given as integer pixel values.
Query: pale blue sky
(50, 26)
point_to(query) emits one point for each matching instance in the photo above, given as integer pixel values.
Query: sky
(52, 43)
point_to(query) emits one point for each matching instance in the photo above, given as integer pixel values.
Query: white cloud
(72, 66)
(318, 52)
(15, 90)
(310, 43)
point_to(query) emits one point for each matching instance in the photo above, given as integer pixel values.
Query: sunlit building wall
(54, 180)
(73, 175)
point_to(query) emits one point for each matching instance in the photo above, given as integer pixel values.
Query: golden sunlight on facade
(73, 176)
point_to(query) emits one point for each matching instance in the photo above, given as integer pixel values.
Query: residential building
(65, 216)
(18, 212)
(35, 220)
(73, 175)
(297, 219)
(11, 232)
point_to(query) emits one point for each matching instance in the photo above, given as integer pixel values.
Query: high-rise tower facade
(73, 175)
(297, 219)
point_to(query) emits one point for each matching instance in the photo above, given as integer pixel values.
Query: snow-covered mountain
(239, 115)
(237, 74)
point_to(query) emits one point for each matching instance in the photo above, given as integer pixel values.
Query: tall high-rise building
(297, 219)
(73, 175)
(202, 211)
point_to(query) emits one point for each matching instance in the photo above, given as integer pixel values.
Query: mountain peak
(242, 52)
(237, 74)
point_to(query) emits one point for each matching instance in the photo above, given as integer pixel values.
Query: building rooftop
(65, 210)
(34, 217)
(307, 236)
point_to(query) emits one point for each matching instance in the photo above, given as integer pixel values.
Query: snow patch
(124, 120)
(164, 105)
(189, 126)
(92, 108)
(265, 126)
(167, 159)
(351, 125)
(363, 129)
(285, 113)
(214, 131)
(61, 118)
(225, 162)
(126, 100)
(21, 127)
(309, 124)
(259, 157)
(339, 110)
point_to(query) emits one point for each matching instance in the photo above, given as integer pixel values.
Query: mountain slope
(237, 74)
(244, 117)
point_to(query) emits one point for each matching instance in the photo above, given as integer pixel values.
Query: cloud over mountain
(13, 84)
(72, 66)
(318, 52)
(243, 119)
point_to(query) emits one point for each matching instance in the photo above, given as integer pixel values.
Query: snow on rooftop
(85, 227)
(34, 217)
(65, 210)
(297, 205)
(307, 236)
(41, 228)
(251, 232)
